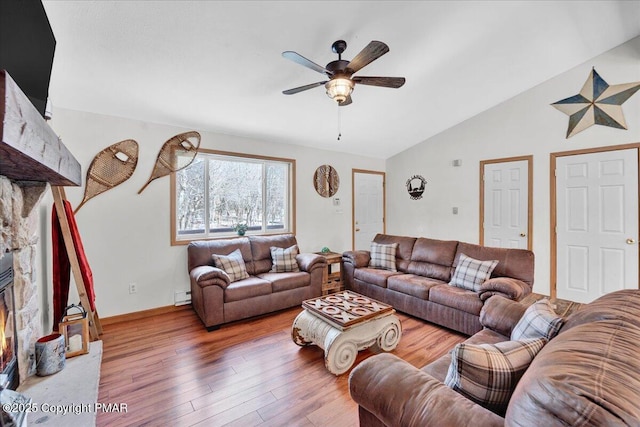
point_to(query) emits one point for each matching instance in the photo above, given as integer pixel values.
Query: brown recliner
(588, 375)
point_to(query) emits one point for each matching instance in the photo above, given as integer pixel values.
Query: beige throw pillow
(232, 264)
(284, 259)
(471, 273)
(383, 256)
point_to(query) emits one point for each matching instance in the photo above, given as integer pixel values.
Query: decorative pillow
(539, 321)
(488, 373)
(284, 260)
(471, 273)
(232, 264)
(383, 256)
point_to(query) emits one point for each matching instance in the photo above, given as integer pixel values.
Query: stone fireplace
(18, 222)
(31, 157)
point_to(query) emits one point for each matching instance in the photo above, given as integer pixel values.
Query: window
(220, 190)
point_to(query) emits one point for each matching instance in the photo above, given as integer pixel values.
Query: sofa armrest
(308, 261)
(399, 394)
(504, 286)
(358, 259)
(206, 275)
(501, 314)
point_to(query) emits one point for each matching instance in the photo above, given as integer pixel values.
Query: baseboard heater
(182, 297)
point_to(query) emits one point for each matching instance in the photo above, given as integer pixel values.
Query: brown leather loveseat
(217, 299)
(424, 268)
(587, 375)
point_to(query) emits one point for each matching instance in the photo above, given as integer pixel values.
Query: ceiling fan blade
(394, 82)
(302, 88)
(346, 101)
(370, 53)
(297, 58)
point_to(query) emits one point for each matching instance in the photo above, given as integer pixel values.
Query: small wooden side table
(332, 279)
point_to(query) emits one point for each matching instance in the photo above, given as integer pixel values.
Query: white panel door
(597, 224)
(506, 204)
(368, 208)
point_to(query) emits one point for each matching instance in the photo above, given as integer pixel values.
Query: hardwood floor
(169, 370)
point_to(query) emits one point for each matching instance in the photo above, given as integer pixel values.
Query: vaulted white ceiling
(217, 65)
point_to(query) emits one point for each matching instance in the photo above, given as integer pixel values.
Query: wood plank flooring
(170, 371)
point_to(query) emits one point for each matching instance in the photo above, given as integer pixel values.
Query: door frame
(529, 160)
(353, 201)
(553, 262)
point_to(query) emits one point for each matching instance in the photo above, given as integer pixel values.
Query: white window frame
(289, 227)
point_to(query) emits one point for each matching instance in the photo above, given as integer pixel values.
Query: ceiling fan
(340, 72)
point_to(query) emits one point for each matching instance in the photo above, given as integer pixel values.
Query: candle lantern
(75, 328)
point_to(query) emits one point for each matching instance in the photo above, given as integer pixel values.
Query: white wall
(523, 125)
(126, 236)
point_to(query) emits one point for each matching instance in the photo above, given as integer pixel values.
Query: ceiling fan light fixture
(339, 89)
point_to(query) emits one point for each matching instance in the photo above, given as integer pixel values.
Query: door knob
(630, 241)
(357, 229)
(523, 235)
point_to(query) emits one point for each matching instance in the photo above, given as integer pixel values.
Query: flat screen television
(27, 45)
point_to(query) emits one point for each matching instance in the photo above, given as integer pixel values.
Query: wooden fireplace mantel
(29, 149)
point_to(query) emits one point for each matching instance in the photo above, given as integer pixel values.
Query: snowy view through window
(217, 192)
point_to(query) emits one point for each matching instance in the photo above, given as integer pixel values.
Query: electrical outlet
(133, 288)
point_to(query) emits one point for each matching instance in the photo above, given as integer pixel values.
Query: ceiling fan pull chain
(339, 123)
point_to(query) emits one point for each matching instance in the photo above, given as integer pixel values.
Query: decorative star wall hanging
(596, 104)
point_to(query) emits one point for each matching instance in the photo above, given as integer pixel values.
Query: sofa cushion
(538, 321)
(433, 258)
(383, 256)
(232, 264)
(600, 309)
(374, 276)
(286, 281)
(199, 252)
(489, 373)
(284, 259)
(411, 284)
(471, 273)
(458, 298)
(247, 288)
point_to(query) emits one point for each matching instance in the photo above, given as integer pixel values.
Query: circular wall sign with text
(415, 186)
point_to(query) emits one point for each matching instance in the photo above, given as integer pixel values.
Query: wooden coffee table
(344, 323)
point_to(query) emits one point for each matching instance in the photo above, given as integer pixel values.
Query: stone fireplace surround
(19, 203)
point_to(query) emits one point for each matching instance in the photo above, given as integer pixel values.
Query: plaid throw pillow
(284, 260)
(383, 256)
(471, 273)
(539, 321)
(232, 264)
(488, 373)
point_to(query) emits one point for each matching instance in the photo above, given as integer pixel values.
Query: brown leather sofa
(420, 286)
(588, 375)
(216, 300)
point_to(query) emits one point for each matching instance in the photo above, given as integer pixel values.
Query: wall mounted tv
(27, 46)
